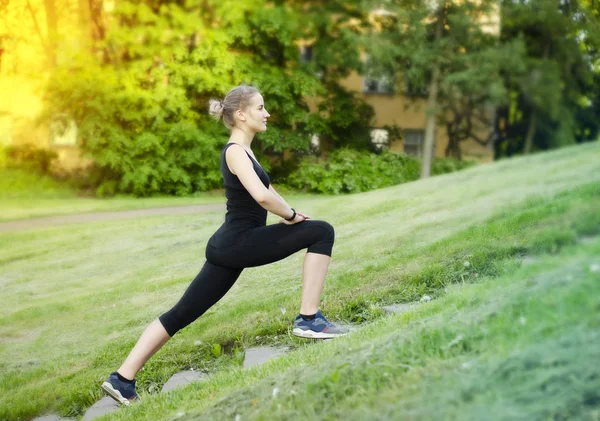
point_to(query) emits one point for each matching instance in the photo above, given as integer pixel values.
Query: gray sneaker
(317, 328)
(122, 392)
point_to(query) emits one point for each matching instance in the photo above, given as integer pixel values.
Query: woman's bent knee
(328, 231)
(169, 322)
(324, 244)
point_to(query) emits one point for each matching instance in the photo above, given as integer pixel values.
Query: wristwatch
(292, 217)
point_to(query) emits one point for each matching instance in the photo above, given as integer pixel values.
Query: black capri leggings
(224, 265)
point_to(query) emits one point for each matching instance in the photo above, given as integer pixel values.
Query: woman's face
(256, 114)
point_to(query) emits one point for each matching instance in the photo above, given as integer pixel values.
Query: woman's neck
(241, 137)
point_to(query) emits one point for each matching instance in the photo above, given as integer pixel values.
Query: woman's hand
(304, 215)
(299, 218)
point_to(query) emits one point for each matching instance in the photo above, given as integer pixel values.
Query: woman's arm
(272, 189)
(277, 194)
(240, 164)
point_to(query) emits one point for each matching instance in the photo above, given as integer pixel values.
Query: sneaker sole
(315, 335)
(115, 394)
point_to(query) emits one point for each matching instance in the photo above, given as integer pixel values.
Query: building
(20, 111)
(407, 111)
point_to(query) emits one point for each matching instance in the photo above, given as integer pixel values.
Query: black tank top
(243, 212)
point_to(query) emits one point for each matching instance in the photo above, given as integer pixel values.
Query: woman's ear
(240, 115)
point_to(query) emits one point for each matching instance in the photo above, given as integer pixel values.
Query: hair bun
(215, 108)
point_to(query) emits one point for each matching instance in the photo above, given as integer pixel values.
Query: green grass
(62, 286)
(20, 184)
(25, 195)
(524, 346)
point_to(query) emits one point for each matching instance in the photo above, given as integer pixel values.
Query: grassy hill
(27, 195)
(500, 339)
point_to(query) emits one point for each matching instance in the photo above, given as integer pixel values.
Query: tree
(440, 44)
(550, 90)
(141, 106)
(52, 27)
(36, 33)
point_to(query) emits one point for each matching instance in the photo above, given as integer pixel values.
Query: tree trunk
(530, 133)
(533, 120)
(52, 25)
(431, 122)
(85, 22)
(453, 148)
(39, 32)
(98, 30)
(431, 119)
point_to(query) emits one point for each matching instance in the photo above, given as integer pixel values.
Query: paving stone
(182, 378)
(344, 325)
(103, 406)
(398, 308)
(260, 355)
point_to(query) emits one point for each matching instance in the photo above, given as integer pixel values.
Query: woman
(244, 240)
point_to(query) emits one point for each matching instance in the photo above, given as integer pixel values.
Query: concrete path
(183, 378)
(262, 354)
(254, 356)
(398, 308)
(51, 221)
(103, 406)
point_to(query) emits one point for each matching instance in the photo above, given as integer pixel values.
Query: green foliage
(351, 171)
(3, 157)
(552, 76)
(347, 121)
(448, 165)
(141, 109)
(143, 141)
(543, 67)
(414, 38)
(17, 184)
(216, 350)
(30, 157)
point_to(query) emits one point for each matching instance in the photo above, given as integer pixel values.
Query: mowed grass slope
(76, 298)
(26, 195)
(523, 346)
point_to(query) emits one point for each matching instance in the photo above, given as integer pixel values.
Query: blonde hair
(236, 99)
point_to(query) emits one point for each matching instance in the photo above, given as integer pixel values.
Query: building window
(415, 88)
(307, 57)
(414, 141)
(416, 83)
(306, 53)
(378, 85)
(379, 138)
(378, 82)
(63, 131)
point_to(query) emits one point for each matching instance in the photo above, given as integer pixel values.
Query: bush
(30, 157)
(352, 171)
(3, 157)
(18, 184)
(447, 165)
